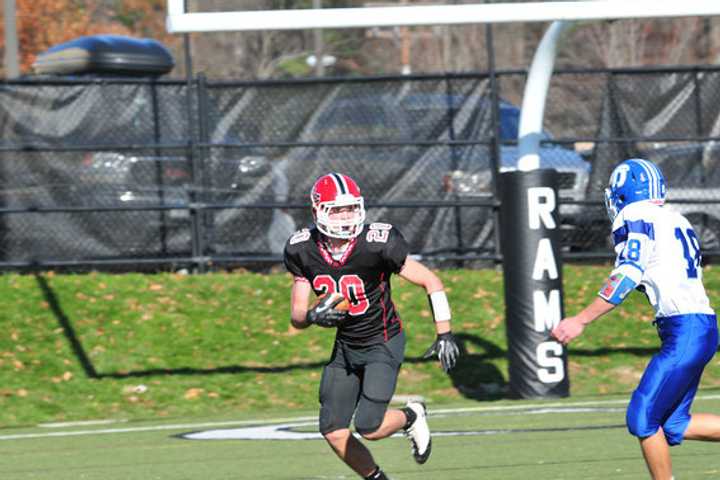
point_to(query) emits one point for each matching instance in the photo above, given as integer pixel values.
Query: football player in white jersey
(658, 253)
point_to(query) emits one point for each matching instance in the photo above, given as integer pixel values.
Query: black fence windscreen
(131, 172)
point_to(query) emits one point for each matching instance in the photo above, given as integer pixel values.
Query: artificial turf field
(574, 438)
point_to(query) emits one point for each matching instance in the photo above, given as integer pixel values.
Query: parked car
(106, 55)
(146, 183)
(221, 179)
(395, 145)
(371, 140)
(692, 173)
(474, 179)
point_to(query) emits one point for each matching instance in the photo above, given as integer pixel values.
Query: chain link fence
(133, 174)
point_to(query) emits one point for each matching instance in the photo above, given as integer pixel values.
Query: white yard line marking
(178, 426)
(193, 426)
(500, 408)
(83, 423)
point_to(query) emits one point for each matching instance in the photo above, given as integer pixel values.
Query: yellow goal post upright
(529, 218)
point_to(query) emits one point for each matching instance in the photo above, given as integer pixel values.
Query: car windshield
(509, 122)
(429, 109)
(418, 116)
(686, 164)
(357, 121)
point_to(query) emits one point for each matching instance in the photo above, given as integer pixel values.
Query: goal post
(181, 21)
(529, 211)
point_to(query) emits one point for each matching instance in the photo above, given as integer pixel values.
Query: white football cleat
(419, 432)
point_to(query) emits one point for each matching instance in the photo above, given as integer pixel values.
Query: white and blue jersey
(659, 253)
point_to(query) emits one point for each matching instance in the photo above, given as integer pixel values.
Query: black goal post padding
(532, 270)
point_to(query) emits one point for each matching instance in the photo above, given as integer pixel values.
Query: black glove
(324, 314)
(446, 349)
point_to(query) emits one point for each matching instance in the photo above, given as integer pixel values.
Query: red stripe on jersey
(397, 315)
(382, 304)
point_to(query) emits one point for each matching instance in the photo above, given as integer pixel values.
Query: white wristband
(440, 306)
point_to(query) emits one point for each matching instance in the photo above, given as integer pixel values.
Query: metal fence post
(697, 104)
(157, 152)
(496, 140)
(191, 154)
(454, 164)
(200, 177)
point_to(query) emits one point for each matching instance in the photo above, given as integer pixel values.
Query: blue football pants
(668, 386)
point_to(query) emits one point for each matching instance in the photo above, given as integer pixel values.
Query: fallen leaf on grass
(193, 393)
(480, 293)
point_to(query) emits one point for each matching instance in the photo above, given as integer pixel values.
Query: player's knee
(369, 417)
(332, 420)
(374, 435)
(637, 417)
(336, 436)
(367, 425)
(368, 430)
(637, 424)
(674, 433)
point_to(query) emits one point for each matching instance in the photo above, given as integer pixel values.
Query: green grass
(216, 350)
(76, 347)
(512, 440)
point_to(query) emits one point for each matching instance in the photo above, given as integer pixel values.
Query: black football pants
(359, 380)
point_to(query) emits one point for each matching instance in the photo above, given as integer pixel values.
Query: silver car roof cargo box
(106, 55)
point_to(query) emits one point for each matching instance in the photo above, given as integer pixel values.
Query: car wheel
(707, 229)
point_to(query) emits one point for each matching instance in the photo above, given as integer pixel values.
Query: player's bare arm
(626, 276)
(571, 327)
(445, 346)
(299, 302)
(417, 273)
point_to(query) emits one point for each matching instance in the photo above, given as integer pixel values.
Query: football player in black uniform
(343, 255)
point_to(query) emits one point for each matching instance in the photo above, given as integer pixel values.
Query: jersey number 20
(350, 286)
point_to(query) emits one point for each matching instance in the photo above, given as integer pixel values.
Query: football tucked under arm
(335, 300)
(331, 310)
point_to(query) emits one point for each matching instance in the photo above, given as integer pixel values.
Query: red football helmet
(331, 196)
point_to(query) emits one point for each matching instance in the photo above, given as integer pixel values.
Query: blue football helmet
(634, 180)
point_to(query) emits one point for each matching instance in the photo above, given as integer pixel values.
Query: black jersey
(362, 275)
